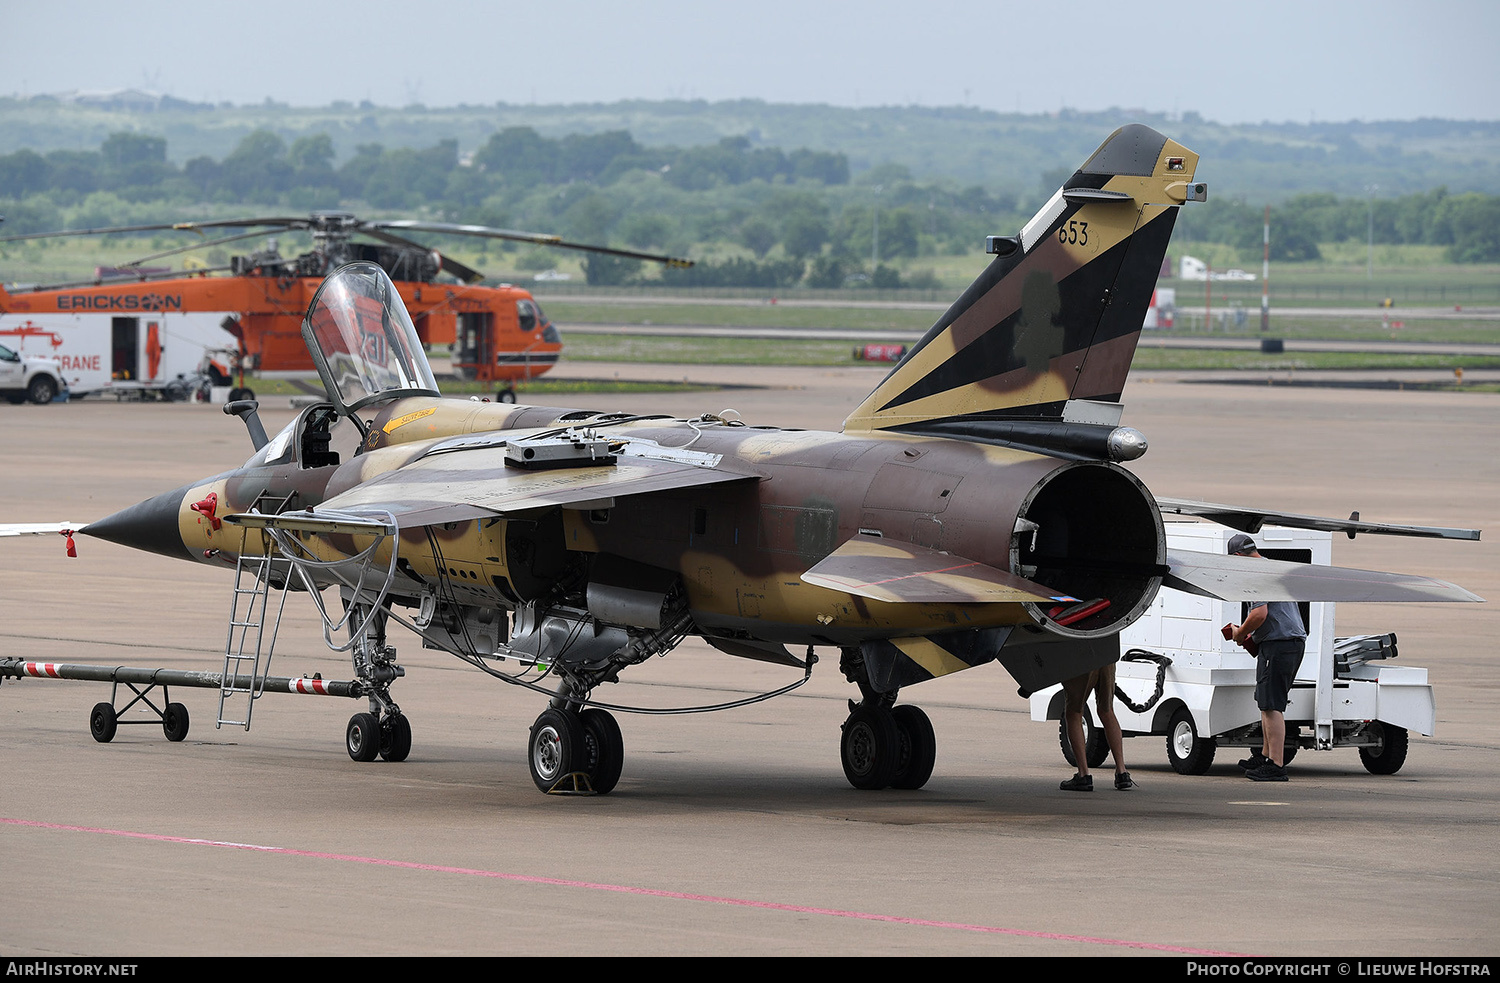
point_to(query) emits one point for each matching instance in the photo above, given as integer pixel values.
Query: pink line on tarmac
(624, 889)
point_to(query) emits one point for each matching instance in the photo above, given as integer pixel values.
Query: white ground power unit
(1182, 679)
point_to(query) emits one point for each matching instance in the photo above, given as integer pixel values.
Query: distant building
(1192, 268)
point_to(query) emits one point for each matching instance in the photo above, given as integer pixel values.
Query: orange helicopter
(498, 333)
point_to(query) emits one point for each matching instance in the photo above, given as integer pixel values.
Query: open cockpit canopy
(363, 341)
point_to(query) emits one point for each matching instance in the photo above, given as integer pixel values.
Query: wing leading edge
(1244, 578)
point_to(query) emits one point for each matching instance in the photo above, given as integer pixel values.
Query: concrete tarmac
(736, 832)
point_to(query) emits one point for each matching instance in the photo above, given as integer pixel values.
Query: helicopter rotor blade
(194, 245)
(537, 238)
(89, 232)
(277, 222)
(163, 227)
(113, 280)
(465, 273)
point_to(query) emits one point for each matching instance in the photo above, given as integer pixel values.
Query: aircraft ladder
(248, 607)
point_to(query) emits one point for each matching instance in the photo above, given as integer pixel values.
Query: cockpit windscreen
(363, 341)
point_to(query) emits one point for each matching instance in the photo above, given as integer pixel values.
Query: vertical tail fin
(1057, 315)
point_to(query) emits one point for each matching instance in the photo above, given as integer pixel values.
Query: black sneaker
(1268, 772)
(1123, 781)
(1253, 762)
(1078, 783)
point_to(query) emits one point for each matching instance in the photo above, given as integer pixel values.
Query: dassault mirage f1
(974, 508)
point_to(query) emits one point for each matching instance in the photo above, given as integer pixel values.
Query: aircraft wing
(1250, 520)
(478, 483)
(1248, 578)
(888, 570)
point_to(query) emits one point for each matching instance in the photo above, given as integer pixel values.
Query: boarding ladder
(247, 641)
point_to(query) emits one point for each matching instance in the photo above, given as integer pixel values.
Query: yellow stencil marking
(402, 421)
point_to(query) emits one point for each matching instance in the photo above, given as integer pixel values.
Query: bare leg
(1111, 725)
(1273, 726)
(1074, 720)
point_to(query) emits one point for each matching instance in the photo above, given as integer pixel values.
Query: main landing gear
(883, 745)
(575, 752)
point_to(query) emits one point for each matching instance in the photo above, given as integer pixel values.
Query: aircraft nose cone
(150, 525)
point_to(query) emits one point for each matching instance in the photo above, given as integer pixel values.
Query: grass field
(1164, 359)
(752, 314)
(584, 347)
(568, 314)
(1411, 276)
(1399, 327)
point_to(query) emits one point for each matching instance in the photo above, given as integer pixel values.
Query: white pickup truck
(24, 377)
(30, 377)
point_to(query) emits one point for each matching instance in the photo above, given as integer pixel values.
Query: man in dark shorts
(1276, 628)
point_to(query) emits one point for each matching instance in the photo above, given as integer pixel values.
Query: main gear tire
(603, 749)
(918, 747)
(556, 748)
(870, 748)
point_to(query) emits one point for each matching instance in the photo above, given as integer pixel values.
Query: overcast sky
(1239, 62)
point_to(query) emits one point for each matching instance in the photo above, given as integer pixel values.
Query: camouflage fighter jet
(972, 509)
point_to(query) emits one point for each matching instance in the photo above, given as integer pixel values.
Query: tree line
(1468, 224)
(263, 169)
(752, 216)
(797, 214)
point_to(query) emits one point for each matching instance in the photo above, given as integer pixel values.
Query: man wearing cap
(1277, 630)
